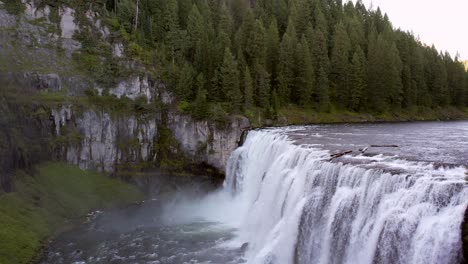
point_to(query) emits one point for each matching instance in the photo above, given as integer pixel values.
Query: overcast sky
(443, 23)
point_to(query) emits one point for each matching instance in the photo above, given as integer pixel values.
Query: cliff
(92, 119)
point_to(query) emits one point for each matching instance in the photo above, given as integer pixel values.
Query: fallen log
(337, 155)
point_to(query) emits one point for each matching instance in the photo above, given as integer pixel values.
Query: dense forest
(239, 55)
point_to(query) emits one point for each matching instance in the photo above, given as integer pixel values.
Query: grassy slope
(46, 203)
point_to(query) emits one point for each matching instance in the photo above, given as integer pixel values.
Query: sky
(443, 23)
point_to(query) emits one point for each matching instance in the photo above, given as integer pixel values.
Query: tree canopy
(318, 54)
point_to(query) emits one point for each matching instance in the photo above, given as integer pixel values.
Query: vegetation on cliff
(48, 200)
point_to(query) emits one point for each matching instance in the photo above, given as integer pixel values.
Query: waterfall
(299, 208)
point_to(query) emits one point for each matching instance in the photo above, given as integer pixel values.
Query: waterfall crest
(299, 208)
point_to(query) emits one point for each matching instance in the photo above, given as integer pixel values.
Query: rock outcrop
(39, 59)
(102, 142)
(207, 142)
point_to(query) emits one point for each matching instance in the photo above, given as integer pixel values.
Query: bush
(219, 115)
(113, 23)
(135, 50)
(14, 7)
(90, 92)
(184, 106)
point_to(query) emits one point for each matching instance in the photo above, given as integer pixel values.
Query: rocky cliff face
(104, 141)
(206, 142)
(41, 59)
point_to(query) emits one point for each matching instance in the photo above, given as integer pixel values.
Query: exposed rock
(34, 12)
(134, 88)
(75, 85)
(118, 50)
(106, 141)
(67, 23)
(7, 20)
(205, 142)
(61, 116)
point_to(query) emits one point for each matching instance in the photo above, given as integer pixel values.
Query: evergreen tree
(230, 81)
(285, 78)
(305, 75)
(248, 36)
(262, 87)
(439, 85)
(273, 46)
(339, 65)
(248, 89)
(321, 67)
(275, 105)
(376, 94)
(392, 73)
(259, 48)
(200, 105)
(323, 91)
(195, 30)
(357, 80)
(303, 16)
(312, 52)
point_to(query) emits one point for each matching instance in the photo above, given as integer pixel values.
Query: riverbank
(52, 199)
(294, 115)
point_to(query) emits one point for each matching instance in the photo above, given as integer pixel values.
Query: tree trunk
(136, 15)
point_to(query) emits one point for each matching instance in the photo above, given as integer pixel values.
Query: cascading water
(298, 207)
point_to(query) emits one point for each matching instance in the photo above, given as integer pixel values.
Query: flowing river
(361, 193)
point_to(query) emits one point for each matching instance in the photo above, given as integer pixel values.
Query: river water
(398, 195)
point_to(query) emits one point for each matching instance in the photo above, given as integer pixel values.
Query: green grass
(49, 202)
(293, 115)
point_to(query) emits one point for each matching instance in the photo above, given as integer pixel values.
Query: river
(360, 193)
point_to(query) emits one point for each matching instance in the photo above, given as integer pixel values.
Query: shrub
(184, 106)
(14, 7)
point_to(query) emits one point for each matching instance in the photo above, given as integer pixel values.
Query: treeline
(322, 54)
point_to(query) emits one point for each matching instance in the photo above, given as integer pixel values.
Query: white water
(294, 207)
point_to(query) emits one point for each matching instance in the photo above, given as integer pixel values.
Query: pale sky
(443, 23)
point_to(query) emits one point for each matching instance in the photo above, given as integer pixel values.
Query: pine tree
(248, 89)
(357, 80)
(200, 105)
(439, 87)
(262, 87)
(195, 29)
(339, 66)
(273, 46)
(303, 16)
(392, 72)
(239, 9)
(185, 6)
(305, 74)
(311, 52)
(259, 50)
(248, 36)
(376, 93)
(323, 90)
(321, 67)
(275, 105)
(230, 81)
(285, 79)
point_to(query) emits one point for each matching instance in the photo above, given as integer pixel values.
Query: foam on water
(292, 206)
